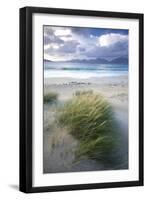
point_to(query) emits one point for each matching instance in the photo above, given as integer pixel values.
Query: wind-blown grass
(50, 97)
(89, 118)
(78, 92)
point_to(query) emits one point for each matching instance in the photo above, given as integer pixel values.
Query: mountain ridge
(119, 60)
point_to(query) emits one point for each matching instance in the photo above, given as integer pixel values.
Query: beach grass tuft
(79, 92)
(50, 97)
(89, 118)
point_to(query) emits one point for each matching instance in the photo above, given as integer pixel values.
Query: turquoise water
(83, 70)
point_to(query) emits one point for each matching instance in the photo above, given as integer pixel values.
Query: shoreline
(103, 79)
(115, 89)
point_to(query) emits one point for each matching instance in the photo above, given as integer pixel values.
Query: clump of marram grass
(79, 92)
(89, 118)
(50, 97)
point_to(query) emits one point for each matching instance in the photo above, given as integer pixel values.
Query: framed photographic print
(81, 99)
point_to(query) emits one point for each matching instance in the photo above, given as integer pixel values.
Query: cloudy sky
(67, 43)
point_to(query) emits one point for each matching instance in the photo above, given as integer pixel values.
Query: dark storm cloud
(81, 49)
(66, 48)
(85, 42)
(69, 46)
(80, 31)
(66, 44)
(50, 37)
(109, 52)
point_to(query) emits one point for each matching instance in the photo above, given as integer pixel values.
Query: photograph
(85, 99)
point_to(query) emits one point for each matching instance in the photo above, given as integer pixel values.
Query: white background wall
(9, 85)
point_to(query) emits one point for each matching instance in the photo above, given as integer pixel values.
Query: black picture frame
(26, 73)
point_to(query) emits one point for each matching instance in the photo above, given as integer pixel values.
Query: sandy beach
(59, 146)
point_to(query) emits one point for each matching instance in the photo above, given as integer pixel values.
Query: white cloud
(110, 39)
(57, 57)
(51, 46)
(65, 38)
(62, 32)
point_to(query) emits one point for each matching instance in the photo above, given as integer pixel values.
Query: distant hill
(97, 60)
(100, 61)
(119, 60)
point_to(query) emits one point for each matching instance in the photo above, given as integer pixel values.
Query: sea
(83, 70)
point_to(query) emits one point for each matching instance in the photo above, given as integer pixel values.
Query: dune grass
(79, 92)
(50, 97)
(89, 118)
